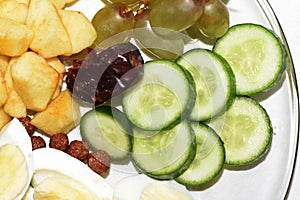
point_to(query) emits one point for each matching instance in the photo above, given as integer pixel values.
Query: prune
(105, 74)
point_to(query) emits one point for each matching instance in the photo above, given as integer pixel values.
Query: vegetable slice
(214, 80)
(107, 128)
(245, 128)
(255, 54)
(209, 159)
(162, 98)
(164, 154)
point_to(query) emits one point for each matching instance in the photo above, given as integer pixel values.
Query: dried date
(103, 75)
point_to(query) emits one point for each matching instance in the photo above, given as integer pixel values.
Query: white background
(288, 13)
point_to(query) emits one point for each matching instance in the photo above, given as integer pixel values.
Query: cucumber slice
(256, 56)
(245, 128)
(162, 98)
(214, 79)
(164, 154)
(209, 159)
(108, 129)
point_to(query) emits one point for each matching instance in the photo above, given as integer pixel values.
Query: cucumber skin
(283, 61)
(232, 82)
(190, 104)
(265, 150)
(202, 182)
(232, 86)
(113, 113)
(177, 172)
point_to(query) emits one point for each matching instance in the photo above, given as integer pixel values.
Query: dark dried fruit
(37, 142)
(99, 161)
(59, 141)
(78, 149)
(103, 75)
(25, 121)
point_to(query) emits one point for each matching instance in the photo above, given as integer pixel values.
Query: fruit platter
(145, 100)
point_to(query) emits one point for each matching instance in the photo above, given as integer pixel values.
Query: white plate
(270, 178)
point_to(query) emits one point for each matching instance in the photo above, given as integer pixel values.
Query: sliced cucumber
(245, 129)
(164, 154)
(209, 159)
(255, 54)
(214, 79)
(162, 98)
(108, 129)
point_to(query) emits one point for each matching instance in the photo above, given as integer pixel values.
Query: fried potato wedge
(26, 2)
(15, 37)
(82, 37)
(34, 80)
(14, 105)
(51, 38)
(3, 91)
(11, 9)
(4, 60)
(4, 118)
(60, 116)
(61, 69)
(7, 75)
(60, 4)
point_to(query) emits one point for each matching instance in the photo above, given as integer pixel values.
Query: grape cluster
(157, 24)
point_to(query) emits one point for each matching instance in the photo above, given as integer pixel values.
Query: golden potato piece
(34, 80)
(4, 60)
(62, 3)
(56, 64)
(82, 37)
(51, 38)
(14, 106)
(61, 69)
(4, 118)
(7, 75)
(26, 2)
(3, 91)
(15, 37)
(60, 116)
(11, 9)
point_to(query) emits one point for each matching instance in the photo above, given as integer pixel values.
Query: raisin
(25, 121)
(103, 75)
(59, 141)
(37, 142)
(78, 149)
(99, 161)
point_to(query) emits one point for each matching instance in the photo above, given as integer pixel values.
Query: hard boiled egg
(15, 161)
(58, 175)
(142, 187)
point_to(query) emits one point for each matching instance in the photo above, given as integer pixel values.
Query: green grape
(126, 2)
(113, 19)
(214, 21)
(176, 15)
(154, 45)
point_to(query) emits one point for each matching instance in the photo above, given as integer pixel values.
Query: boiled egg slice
(142, 187)
(15, 161)
(58, 174)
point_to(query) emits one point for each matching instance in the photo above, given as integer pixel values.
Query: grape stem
(139, 7)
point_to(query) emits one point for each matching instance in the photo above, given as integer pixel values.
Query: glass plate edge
(291, 74)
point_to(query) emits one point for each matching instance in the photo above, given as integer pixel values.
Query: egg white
(54, 160)
(15, 133)
(131, 187)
